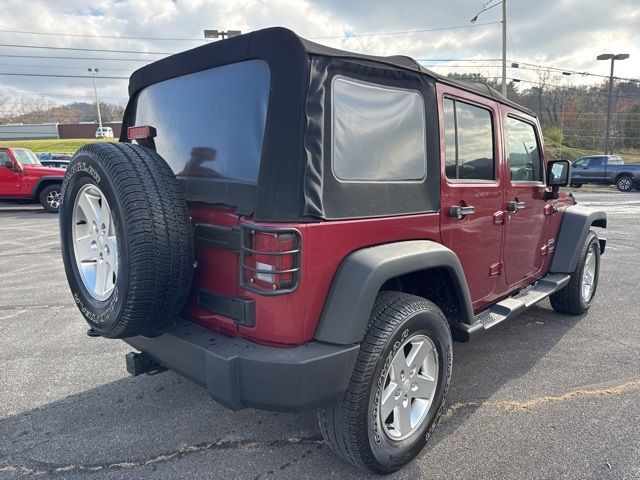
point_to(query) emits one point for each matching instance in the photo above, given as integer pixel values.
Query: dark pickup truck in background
(606, 169)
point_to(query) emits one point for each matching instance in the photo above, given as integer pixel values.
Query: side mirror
(558, 175)
(8, 164)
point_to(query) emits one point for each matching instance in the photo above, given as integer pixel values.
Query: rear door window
(468, 137)
(596, 162)
(524, 152)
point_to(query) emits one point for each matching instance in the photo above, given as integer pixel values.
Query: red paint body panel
(217, 270)
(291, 319)
(476, 239)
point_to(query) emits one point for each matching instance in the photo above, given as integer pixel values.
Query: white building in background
(18, 131)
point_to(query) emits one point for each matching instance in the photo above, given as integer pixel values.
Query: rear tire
(126, 239)
(368, 426)
(624, 183)
(576, 297)
(49, 197)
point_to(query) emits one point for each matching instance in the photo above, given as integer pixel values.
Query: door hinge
(495, 269)
(550, 209)
(548, 247)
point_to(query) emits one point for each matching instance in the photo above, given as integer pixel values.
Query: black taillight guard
(247, 235)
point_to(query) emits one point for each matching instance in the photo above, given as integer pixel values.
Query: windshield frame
(20, 154)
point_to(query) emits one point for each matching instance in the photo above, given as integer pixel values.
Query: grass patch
(54, 145)
(556, 150)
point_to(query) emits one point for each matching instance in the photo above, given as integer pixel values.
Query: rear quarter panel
(292, 319)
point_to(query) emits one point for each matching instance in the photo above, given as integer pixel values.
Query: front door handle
(459, 212)
(514, 206)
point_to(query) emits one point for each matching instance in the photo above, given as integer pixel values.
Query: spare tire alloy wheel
(126, 240)
(95, 243)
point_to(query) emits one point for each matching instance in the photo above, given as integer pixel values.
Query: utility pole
(613, 58)
(504, 47)
(93, 72)
(484, 8)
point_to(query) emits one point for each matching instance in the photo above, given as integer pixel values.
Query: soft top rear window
(210, 124)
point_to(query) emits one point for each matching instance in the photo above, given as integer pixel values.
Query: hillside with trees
(576, 116)
(34, 109)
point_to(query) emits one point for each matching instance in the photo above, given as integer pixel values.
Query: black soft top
(254, 44)
(295, 182)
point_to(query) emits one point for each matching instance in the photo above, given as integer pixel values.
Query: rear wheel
(126, 239)
(576, 297)
(49, 197)
(398, 388)
(625, 183)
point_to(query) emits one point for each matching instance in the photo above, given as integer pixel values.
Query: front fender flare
(47, 179)
(361, 274)
(576, 223)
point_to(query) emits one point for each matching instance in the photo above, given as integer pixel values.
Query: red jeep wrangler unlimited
(22, 177)
(293, 226)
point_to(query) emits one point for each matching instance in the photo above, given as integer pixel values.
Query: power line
(79, 58)
(115, 37)
(59, 76)
(403, 32)
(47, 47)
(65, 67)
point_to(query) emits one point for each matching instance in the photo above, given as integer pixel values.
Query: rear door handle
(459, 212)
(514, 206)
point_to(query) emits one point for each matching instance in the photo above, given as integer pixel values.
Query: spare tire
(126, 239)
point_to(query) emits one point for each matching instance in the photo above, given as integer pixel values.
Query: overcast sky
(567, 34)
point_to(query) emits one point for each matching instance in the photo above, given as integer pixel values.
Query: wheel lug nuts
(402, 375)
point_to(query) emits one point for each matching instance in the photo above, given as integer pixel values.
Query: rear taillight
(270, 260)
(141, 132)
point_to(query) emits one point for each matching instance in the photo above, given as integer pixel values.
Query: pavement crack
(61, 470)
(536, 402)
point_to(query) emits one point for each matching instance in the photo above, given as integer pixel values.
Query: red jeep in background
(293, 226)
(22, 177)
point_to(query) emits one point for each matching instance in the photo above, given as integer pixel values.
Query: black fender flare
(575, 226)
(361, 274)
(48, 180)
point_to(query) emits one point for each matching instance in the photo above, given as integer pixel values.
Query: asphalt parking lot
(542, 396)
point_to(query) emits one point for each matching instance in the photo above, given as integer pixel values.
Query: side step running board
(510, 307)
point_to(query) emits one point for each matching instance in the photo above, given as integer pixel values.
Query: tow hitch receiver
(139, 363)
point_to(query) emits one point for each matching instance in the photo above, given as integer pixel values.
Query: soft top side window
(378, 132)
(525, 160)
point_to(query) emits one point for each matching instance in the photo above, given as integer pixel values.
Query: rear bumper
(239, 374)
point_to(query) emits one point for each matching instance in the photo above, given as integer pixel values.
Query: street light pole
(613, 58)
(484, 8)
(93, 72)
